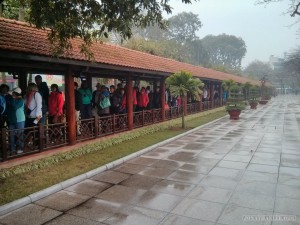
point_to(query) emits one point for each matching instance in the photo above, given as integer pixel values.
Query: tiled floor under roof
(227, 173)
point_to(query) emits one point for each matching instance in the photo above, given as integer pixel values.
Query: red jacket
(55, 104)
(134, 96)
(143, 99)
(123, 104)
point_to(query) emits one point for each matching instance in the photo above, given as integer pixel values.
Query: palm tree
(182, 83)
(247, 86)
(227, 85)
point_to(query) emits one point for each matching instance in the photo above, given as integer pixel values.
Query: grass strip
(23, 180)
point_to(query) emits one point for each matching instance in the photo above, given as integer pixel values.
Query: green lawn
(23, 184)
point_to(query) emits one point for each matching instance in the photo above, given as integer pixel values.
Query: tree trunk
(182, 107)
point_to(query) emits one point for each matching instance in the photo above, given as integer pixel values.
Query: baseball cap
(17, 90)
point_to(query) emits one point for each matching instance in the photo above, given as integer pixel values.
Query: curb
(9, 207)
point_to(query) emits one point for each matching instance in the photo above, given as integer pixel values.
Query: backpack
(105, 103)
(2, 104)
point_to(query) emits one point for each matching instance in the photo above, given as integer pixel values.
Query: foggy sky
(265, 29)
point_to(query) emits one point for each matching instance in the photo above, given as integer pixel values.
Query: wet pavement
(226, 173)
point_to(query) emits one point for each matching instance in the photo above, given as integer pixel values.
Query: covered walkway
(227, 172)
(25, 50)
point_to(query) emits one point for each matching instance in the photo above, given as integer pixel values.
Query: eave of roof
(21, 37)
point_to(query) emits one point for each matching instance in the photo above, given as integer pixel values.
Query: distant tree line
(180, 41)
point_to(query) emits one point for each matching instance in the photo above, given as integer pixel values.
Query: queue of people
(38, 104)
(106, 101)
(19, 110)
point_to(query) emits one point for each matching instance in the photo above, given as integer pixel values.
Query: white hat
(17, 90)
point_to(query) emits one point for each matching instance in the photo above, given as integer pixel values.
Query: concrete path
(229, 172)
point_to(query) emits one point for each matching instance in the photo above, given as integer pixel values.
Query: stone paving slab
(224, 173)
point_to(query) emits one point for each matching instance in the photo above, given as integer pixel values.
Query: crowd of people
(38, 104)
(19, 110)
(105, 101)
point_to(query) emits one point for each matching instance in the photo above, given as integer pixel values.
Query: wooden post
(4, 143)
(211, 88)
(129, 101)
(153, 118)
(163, 97)
(70, 107)
(143, 117)
(114, 123)
(41, 136)
(96, 124)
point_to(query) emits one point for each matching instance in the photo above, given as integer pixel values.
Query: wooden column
(163, 97)
(70, 107)
(23, 81)
(211, 92)
(129, 101)
(220, 94)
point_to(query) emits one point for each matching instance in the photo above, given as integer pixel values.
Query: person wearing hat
(16, 120)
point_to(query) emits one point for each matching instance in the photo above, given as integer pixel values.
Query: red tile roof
(21, 37)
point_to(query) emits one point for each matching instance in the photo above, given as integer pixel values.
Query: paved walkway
(229, 172)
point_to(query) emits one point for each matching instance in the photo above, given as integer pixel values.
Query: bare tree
(292, 62)
(293, 6)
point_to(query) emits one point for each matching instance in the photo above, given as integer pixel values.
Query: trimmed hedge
(99, 145)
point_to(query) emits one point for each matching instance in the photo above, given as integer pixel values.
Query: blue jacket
(2, 104)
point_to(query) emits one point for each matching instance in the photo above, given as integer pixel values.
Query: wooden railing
(41, 138)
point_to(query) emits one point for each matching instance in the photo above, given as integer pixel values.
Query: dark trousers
(86, 111)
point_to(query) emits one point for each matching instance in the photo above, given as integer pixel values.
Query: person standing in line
(3, 111)
(86, 93)
(55, 105)
(115, 100)
(96, 100)
(44, 91)
(55, 108)
(156, 99)
(205, 94)
(135, 93)
(33, 106)
(78, 106)
(150, 97)
(104, 96)
(123, 101)
(16, 119)
(143, 99)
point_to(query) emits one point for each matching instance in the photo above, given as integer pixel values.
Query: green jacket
(15, 110)
(86, 95)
